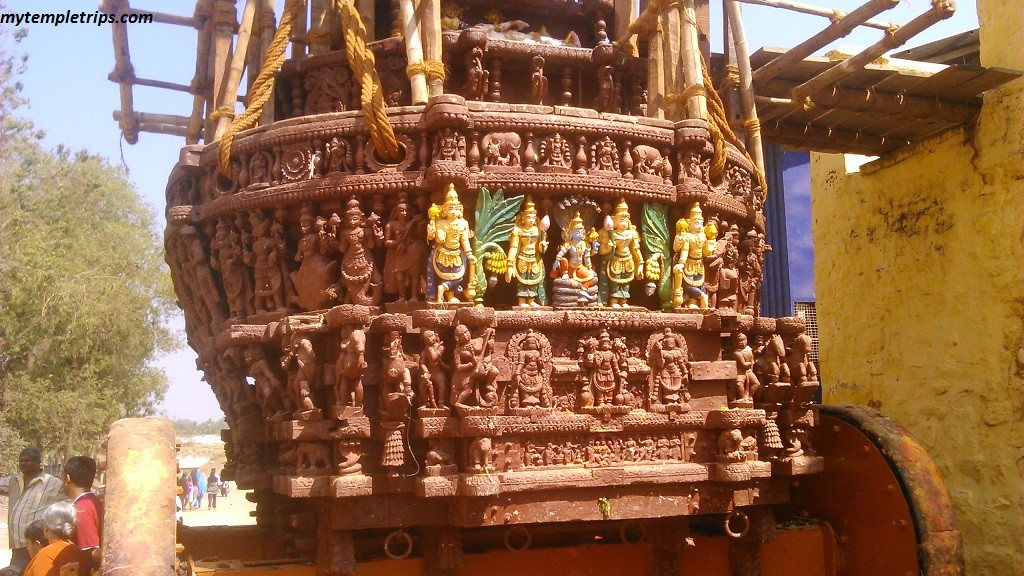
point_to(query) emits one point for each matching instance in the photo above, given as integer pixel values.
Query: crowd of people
(195, 486)
(54, 522)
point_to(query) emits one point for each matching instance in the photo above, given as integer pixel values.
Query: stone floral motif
(297, 163)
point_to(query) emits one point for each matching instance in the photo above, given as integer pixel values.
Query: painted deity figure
(475, 374)
(433, 371)
(623, 263)
(604, 371)
(527, 245)
(450, 268)
(405, 252)
(670, 370)
(692, 244)
(357, 274)
(349, 368)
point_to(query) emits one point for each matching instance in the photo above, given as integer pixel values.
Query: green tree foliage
(84, 292)
(184, 427)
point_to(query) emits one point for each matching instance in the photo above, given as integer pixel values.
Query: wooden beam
(150, 118)
(941, 9)
(751, 129)
(229, 89)
(267, 27)
(839, 28)
(224, 26)
(123, 72)
(814, 11)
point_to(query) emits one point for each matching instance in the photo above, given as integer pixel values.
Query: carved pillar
(336, 553)
(566, 99)
(413, 51)
(495, 81)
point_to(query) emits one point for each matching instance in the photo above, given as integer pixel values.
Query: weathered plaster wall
(920, 282)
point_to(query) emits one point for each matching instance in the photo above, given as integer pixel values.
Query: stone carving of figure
(604, 371)
(395, 399)
(752, 250)
(623, 263)
(303, 377)
(475, 375)
(556, 153)
(349, 368)
(575, 281)
(396, 378)
(317, 273)
(747, 383)
(339, 156)
(798, 360)
(267, 274)
(768, 360)
(449, 146)
(604, 155)
(406, 251)
(606, 100)
(359, 278)
(277, 233)
(268, 386)
(723, 268)
(531, 371)
(433, 383)
(476, 76)
(199, 267)
(526, 248)
(229, 260)
(538, 81)
(451, 266)
(691, 245)
(670, 372)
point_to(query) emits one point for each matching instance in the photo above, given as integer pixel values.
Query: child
(35, 537)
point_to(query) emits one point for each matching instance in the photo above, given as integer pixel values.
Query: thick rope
(429, 68)
(720, 130)
(364, 67)
(263, 86)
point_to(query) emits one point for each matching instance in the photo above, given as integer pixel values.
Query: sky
(72, 100)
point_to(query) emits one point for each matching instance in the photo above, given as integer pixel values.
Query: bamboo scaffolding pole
(814, 11)
(626, 12)
(164, 18)
(368, 14)
(768, 100)
(229, 88)
(751, 126)
(299, 32)
(430, 31)
(675, 59)
(413, 51)
(655, 76)
(164, 129)
(319, 36)
(839, 28)
(729, 88)
(267, 26)
(150, 118)
(941, 9)
(866, 100)
(224, 26)
(160, 84)
(201, 81)
(693, 68)
(123, 74)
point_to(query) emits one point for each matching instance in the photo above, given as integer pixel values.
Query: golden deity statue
(623, 263)
(525, 254)
(452, 264)
(692, 244)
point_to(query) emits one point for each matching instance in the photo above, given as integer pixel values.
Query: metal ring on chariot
(624, 530)
(746, 524)
(526, 534)
(403, 535)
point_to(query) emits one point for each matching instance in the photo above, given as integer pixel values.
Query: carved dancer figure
(395, 399)
(349, 368)
(526, 247)
(538, 81)
(303, 378)
(358, 275)
(406, 251)
(433, 371)
(269, 280)
(692, 244)
(475, 375)
(604, 371)
(315, 278)
(268, 386)
(669, 369)
(747, 383)
(450, 268)
(751, 269)
(620, 246)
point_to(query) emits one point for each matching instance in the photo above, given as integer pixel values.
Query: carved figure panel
(529, 353)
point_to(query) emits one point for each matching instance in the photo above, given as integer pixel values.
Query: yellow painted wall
(920, 286)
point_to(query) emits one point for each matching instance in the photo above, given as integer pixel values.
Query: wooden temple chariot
(519, 292)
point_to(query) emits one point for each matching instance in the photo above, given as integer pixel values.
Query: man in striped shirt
(30, 493)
